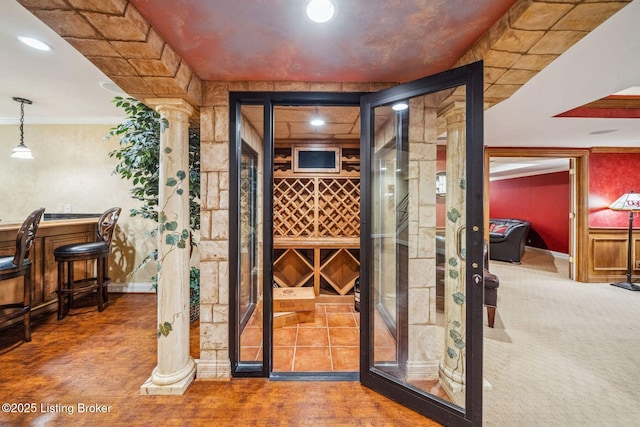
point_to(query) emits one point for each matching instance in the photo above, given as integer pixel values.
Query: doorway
(577, 218)
(421, 361)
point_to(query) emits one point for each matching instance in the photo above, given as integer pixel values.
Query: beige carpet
(562, 353)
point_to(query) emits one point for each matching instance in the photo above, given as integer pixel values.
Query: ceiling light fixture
(317, 122)
(21, 151)
(400, 106)
(320, 11)
(34, 43)
(111, 87)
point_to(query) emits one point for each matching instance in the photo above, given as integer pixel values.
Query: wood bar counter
(44, 273)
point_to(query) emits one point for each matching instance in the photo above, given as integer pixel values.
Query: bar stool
(19, 265)
(99, 251)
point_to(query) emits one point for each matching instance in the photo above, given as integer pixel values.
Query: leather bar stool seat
(99, 250)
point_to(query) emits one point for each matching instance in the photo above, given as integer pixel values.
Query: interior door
(421, 272)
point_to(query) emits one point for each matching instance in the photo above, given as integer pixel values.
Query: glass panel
(417, 241)
(250, 244)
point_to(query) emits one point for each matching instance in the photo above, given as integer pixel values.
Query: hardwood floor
(87, 370)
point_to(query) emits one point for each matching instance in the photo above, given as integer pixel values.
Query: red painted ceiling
(367, 40)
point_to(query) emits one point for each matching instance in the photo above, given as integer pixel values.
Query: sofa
(491, 282)
(507, 239)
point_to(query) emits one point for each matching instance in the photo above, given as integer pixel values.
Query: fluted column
(452, 366)
(176, 369)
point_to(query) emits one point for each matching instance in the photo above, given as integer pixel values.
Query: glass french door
(422, 244)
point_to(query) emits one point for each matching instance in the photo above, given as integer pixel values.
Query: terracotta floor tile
(384, 353)
(320, 322)
(313, 337)
(339, 308)
(250, 354)
(344, 336)
(382, 336)
(251, 336)
(283, 358)
(284, 337)
(341, 319)
(345, 359)
(312, 359)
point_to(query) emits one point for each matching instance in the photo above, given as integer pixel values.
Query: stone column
(176, 369)
(452, 365)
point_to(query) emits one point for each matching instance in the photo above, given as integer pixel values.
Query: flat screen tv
(316, 159)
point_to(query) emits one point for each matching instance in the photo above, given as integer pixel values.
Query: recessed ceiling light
(602, 132)
(400, 106)
(34, 43)
(111, 87)
(317, 122)
(320, 10)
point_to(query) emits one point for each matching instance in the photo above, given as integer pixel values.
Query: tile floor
(329, 344)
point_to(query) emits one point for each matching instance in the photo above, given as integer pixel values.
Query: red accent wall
(541, 199)
(610, 176)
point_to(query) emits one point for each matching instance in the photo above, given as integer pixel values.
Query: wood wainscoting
(608, 254)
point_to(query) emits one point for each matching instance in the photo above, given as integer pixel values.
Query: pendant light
(21, 151)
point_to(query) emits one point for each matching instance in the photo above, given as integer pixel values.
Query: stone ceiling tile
(541, 16)
(325, 86)
(170, 59)
(133, 86)
(586, 17)
(500, 59)
(44, 4)
(501, 91)
(556, 42)
(534, 62)
(151, 48)
(116, 7)
(378, 86)
(67, 24)
(479, 49)
(291, 86)
(93, 47)
(518, 40)
(130, 27)
(260, 86)
(150, 67)
(113, 66)
(184, 75)
(497, 30)
(516, 77)
(491, 74)
(355, 87)
(165, 87)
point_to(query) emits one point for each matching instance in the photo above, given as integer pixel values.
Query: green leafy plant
(138, 158)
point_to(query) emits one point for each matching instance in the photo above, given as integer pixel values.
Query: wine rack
(316, 223)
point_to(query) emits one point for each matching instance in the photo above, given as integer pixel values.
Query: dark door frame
(268, 100)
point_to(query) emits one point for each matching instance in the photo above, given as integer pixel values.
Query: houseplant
(138, 158)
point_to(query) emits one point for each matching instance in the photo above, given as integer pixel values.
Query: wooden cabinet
(608, 249)
(44, 271)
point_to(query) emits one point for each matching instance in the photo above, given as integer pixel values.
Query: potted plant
(138, 158)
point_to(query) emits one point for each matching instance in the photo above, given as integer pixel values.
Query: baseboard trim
(554, 254)
(132, 287)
